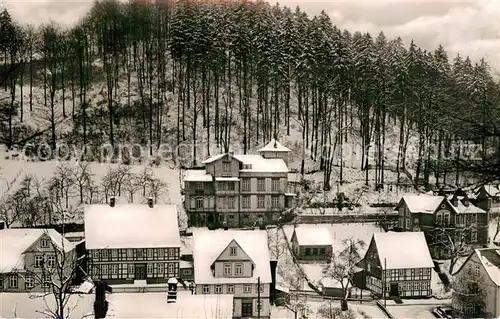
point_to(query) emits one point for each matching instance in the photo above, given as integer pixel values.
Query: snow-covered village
(249, 159)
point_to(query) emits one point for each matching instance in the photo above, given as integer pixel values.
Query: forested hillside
(235, 74)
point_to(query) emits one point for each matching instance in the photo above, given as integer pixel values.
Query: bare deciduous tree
(330, 310)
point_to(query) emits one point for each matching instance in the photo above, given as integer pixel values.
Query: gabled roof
(231, 243)
(208, 244)
(421, 203)
(261, 164)
(131, 226)
(490, 260)
(274, 146)
(491, 190)
(313, 236)
(14, 242)
(218, 157)
(403, 250)
(462, 209)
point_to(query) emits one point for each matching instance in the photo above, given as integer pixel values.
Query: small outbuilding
(312, 243)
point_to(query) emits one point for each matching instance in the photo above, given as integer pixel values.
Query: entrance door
(394, 292)
(140, 271)
(246, 308)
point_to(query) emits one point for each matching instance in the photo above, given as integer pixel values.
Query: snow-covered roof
(227, 179)
(15, 241)
(154, 305)
(209, 244)
(422, 203)
(313, 236)
(197, 175)
(490, 259)
(470, 209)
(183, 264)
(274, 146)
(186, 245)
(131, 226)
(214, 158)
(261, 164)
(492, 190)
(403, 250)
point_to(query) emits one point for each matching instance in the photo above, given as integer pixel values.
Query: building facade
(237, 263)
(133, 242)
(240, 190)
(34, 259)
(312, 243)
(476, 296)
(438, 217)
(401, 262)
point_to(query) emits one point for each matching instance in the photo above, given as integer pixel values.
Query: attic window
(233, 251)
(247, 166)
(443, 206)
(44, 243)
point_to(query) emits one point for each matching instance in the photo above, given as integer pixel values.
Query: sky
(463, 27)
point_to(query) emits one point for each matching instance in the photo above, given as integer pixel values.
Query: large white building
(132, 242)
(240, 189)
(234, 262)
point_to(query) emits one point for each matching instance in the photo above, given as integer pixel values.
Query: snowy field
(412, 311)
(367, 311)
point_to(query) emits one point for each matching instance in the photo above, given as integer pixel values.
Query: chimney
(112, 201)
(466, 201)
(275, 144)
(454, 200)
(3, 225)
(224, 224)
(150, 202)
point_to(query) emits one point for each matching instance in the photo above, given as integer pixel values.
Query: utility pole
(258, 297)
(385, 283)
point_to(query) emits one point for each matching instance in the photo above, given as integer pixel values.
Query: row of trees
(255, 70)
(51, 201)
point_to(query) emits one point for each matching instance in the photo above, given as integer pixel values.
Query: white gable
(131, 226)
(274, 146)
(209, 244)
(422, 203)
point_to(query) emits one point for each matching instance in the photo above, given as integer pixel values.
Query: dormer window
(44, 243)
(227, 168)
(199, 186)
(232, 251)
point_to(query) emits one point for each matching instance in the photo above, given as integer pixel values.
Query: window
(245, 184)
(227, 269)
(261, 185)
(160, 269)
(275, 184)
(218, 289)
(239, 269)
(44, 243)
(233, 251)
(104, 254)
(150, 253)
(46, 281)
(51, 261)
(446, 218)
(275, 202)
(258, 305)
(171, 269)
(38, 261)
(199, 186)
(140, 253)
(322, 251)
(439, 218)
(473, 235)
(260, 288)
(28, 282)
(260, 201)
(407, 223)
(308, 251)
(230, 289)
(199, 202)
(131, 269)
(206, 289)
(13, 281)
(130, 253)
(149, 269)
(227, 168)
(104, 269)
(230, 202)
(230, 186)
(247, 289)
(477, 270)
(114, 254)
(114, 269)
(245, 202)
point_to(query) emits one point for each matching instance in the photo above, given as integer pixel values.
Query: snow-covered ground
(365, 310)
